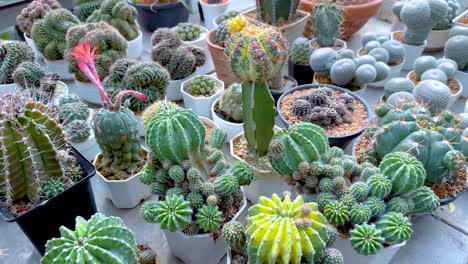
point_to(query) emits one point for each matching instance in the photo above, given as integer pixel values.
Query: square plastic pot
(60, 67)
(135, 46)
(232, 129)
(201, 105)
(173, 92)
(349, 254)
(42, 222)
(412, 52)
(210, 11)
(7, 88)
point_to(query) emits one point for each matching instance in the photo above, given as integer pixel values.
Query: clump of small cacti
(231, 102)
(35, 11)
(388, 51)
(120, 15)
(100, 237)
(275, 12)
(202, 86)
(84, 8)
(12, 54)
(453, 11)
(50, 33)
(188, 31)
(327, 18)
(456, 50)
(300, 51)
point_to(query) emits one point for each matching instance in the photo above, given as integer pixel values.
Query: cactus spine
(231, 102)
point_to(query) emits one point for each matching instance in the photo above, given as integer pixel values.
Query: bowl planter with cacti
(301, 234)
(226, 111)
(40, 189)
(13, 53)
(327, 18)
(192, 34)
(199, 93)
(223, 17)
(159, 14)
(179, 59)
(461, 19)
(456, 50)
(440, 33)
(299, 66)
(212, 9)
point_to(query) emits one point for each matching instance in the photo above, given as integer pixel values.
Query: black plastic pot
(338, 141)
(151, 17)
(43, 221)
(291, 84)
(302, 73)
(200, 11)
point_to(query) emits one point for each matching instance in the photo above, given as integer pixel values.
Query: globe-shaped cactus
(396, 228)
(405, 171)
(366, 239)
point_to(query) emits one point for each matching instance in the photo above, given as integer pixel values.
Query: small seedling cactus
(275, 12)
(300, 51)
(188, 31)
(327, 18)
(12, 54)
(84, 8)
(202, 86)
(231, 102)
(35, 11)
(78, 131)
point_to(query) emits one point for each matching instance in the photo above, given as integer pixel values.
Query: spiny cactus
(217, 138)
(49, 34)
(404, 170)
(120, 15)
(434, 93)
(68, 98)
(337, 213)
(84, 8)
(188, 31)
(332, 256)
(234, 235)
(399, 205)
(209, 218)
(202, 86)
(35, 11)
(360, 213)
(327, 20)
(300, 51)
(78, 131)
(231, 102)
(52, 187)
(424, 200)
(29, 75)
(100, 239)
(12, 54)
(396, 228)
(376, 205)
(74, 111)
(173, 214)
(112, 46)
(379, 185)
(366, 239)
(222, 33)
(359, 190)
(275, 12)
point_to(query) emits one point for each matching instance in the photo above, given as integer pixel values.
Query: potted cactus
(223, 17)
(82, 9)
(327, 18)
(13, 53)
(456, 50)
(180, 60)
(154, 14)
(199, 93)
(440, 32)
(297, 217)
(49, 35)
(212, 9)
(419, 17)
(194, 179)
(116, 130)
(47, 181)
(299, 66)
(227, 112)
(191, 34)
(113, 48)
(122, 16)
(35, 11)
(462, 18)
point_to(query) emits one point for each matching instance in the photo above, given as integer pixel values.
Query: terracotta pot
(354, 16)
(221, 63)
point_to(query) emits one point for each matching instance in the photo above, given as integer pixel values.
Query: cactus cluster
(112, 46)
(327, 18)
(230, 102)
(100, 239)
(35, 11)
(276, 12)
(202, 86)
(12, 54)
(388, 51)
(453, 11)
(188, 31)
(300, 51)
(149, 78)
(455, 48)
(120, 15)
(179, 59)
(324, 108)
(84, 8)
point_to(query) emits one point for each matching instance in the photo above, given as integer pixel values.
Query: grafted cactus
(35, 11)
(100, 239)
(49, 34)
(112, 46)
(275, 12)
(231, 102)
(12, 54)
(84, 8)
(327, 20)
(120, 15)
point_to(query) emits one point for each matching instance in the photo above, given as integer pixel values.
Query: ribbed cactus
(424, 200)
(112, 46)
(300, 51)
(337, 213)
(231, 102)
(379, 185)
(457, 50)
(395, 85)
(100, 239)
(28, 75)
(12, 54)
(300, 142)
(327, 20)
(84, 8)
(274, 12)
(257, 54)
(234, 235)
(188, 31)
(396, 228)
(360, 213)
(420, 17)
(366, 239)
(209, 218)
(120, 15)
(222, 34)
(433, 93)
(172, 214)
(404, 170)
(35, 11)
(285, 231)
(50, 33)
(202, 86)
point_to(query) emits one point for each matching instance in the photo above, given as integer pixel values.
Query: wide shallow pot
(135, 46)
(88, 92)
(7, 88)
(201, 105)
(339, 141)
(436, 40)
(394, 72)
(126, 193)
(457, 19)
(384, 256)
(462, 77)
(210, 11)
(33, 46)
(173, 92)
(201, 248)
(43, 221)
(153, 16)
(200, 41)
(220, 61)
(411, 52)
(60, 67)
(354, 16)
(266, 182)
(302, 73)
(231, 128)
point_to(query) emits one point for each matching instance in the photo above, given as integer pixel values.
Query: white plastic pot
(455, 97)
(456, 20)
(135, 46)
(436, 40)
(7, 88)
(462, 77)
(173, 92)
(200, 41)
(411, 53)
(201, 248)
(208, 122)
(89, 148)
(343, 44)
(201, 105)
(88, 92)
(382, 257)
(385, 11)
(33, 46)
(60, 67)
(211, 11)
(124, 193)
(232, 129)
(394, 72)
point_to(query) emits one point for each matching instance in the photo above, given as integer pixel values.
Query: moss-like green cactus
(35, 11)
(396, 228)
(101, 239)
(202, 86)
(300, 51)
(327, 20)
(404, 170)
(12, 54)
(366, 239)
(275, 12)
(188, 31)
(209, 218)
(84, 8)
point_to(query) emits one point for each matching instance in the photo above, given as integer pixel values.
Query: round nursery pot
(220, 61)
(288, 83)
(33, 46)
(88, 92)
(43, 221)
(135, 46)
(7, 88)
(339, 44)
(436, 40)
(232, 129)
(201, 248)
(126, 193)
(60, 67)
(412, 52)
(339, 141)
(173, 91)
(200, 41)
(266, 181)
(201, 105)
(154, 16)
(384, 256)
(302, 73)
(211, 11)
(354, 15)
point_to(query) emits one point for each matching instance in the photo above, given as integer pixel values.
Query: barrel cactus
(396, 228)
(234, 235)
(231, 102)
(12, 54)
(366, 239)
(84, 8)
(424, 200)
(120, 15)
(74, 111)
(275, 12)
(101, 239)
(327, 20)
(35, 11)
(209, 218)
(29, 75)
(173, 214)
(300, 51)
(188, 31)
(78, 131)
(50, 33)
(337, 213)
(433, 93)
